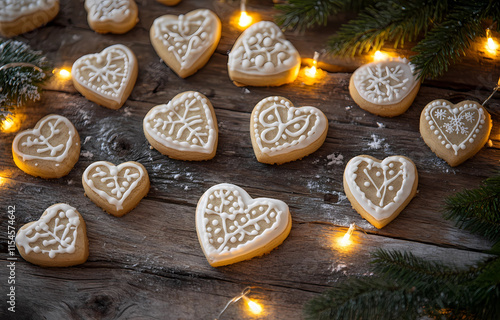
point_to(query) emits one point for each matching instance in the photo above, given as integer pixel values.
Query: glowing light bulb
(64, 74)
(312, 71)
(491, 44)
(7, 124)
(345, 241)
(379, 55)
(254, 307)
(12, 123)
(245, 19)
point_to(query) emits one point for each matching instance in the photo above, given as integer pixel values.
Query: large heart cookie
(380, 190)
(186, 42)
(20, 16)
(233, 227)
(281, 133)
(385, 88)
(262, 56)
(50, 150)
(185, 128)
(115, 16)
(455, 132)
(57, 239)
(106, 78)
(116, 189)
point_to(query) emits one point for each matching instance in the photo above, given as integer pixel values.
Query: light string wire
(242, 295)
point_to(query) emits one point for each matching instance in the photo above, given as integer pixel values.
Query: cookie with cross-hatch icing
(233, 227)
(385, 88)
(455, 132)
(186, 42)
(114, 16)
(184, 129)
(380, 189)
(282, 133)
(262, 56)
(49, 150)
(57, 239)
(21, 16)
(106, 78)
(116, 189)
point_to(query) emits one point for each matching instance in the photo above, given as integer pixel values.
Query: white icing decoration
(58, 228)
(106, 73)
(454, 127)
(11, 10)
(108, 10)
(187, 37)
(263, 50)
(249, 234)
(271, 132)
(185, 124)
(46, 151)
(384, 207)
(385, 82)
(120, 184)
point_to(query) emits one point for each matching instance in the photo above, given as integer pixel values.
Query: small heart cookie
(185, 128)
(385, 88)
(380, 190)
(21, 16)
(455, 132)
(116, 189)
(50, 150)
(57, 239)
(281, 133)
(233, 227)
(263, 57)
(186, 42)
(115, 16)
(106, 78)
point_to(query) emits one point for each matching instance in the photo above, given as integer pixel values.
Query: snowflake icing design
(440, 114)
(456, 124)
(108, 9)
(118, 190)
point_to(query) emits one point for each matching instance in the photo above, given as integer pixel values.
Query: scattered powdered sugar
(338, 267)
(380, 125)
(316, 161)
(335, 159)
(186, 188)
(127, 112)
(377, 143)
(87, 139)
(87, 154)
(157, 167)
(341, 196)
(177, 176)
(70, 182)
(245, 90)
(348, 107)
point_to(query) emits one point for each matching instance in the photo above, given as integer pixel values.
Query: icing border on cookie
(408, 171)
(23, 8)
(23, 239)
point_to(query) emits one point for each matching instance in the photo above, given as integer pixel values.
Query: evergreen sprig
(408, 287)
(445, 28)
(18, 85)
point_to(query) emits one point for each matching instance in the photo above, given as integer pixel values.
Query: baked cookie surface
(114, 16)
(21, 16)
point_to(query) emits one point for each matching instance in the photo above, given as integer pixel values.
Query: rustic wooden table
(148, 264)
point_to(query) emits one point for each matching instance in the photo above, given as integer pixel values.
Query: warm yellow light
(64, 74)
(379, 56)
(345, 240)
(254, 307)
(491, 45)
(7, 124)
(311, 72)
(12, 123)
(245, 19)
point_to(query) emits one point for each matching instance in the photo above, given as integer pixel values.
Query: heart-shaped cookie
(455, 132)
(385, 88)
(115, 16)
(380, 190)
(106, 78)
(50, 150)
(57, 239)
(20, 16)
(261, 56)
(233, 227)
(281, 133)
(185, 128)
(186, 42)
(116, 189)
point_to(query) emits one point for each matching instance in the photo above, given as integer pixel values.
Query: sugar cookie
(50, 150)
(263, 57)
(21, 16)
(380, 190)
(455, 132)
(233, 227)
(57, 239)
(385, 88)
(281, 133)
(106, 78)
(116, 189)
(115, 16)
(185, 128)
(186, 42)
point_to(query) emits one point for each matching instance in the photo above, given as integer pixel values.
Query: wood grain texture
(148, 264)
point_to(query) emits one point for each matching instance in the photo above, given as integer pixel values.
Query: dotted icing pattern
(107, 72)
(398, 175)
(455, 127)
(109, 10)
(57, 230)
(187, 37)
(385, 82)
(11, 10)
(185, 123)
(263, 50)
(279, 127)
